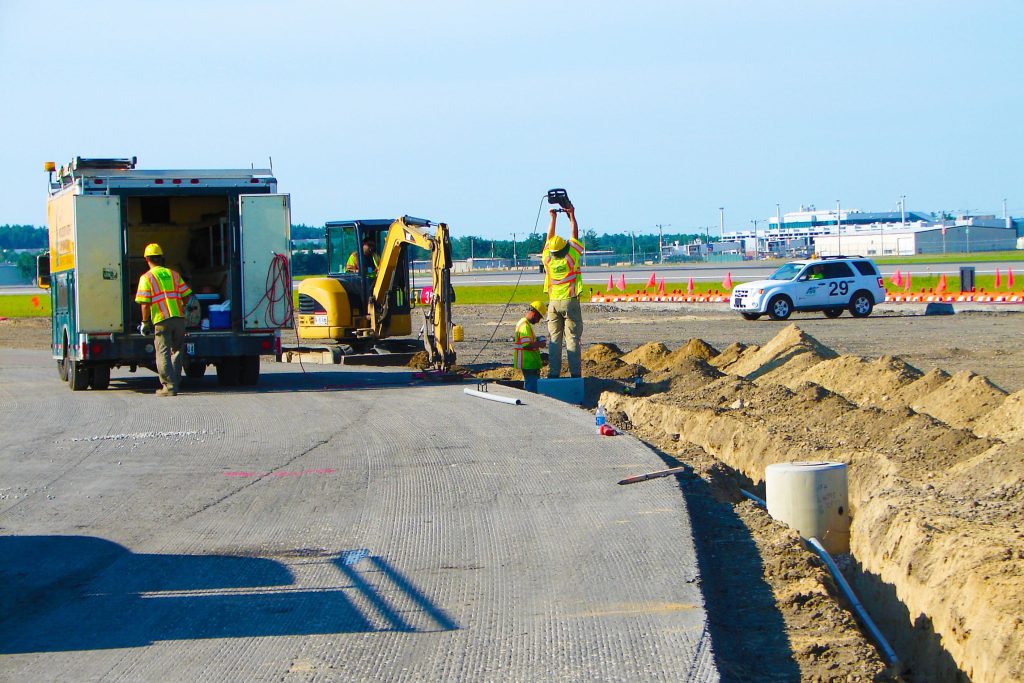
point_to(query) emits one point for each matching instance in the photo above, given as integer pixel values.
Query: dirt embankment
(936, 479)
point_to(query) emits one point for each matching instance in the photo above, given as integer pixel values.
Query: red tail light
(96, 349)
(265, 345)
(881, 283)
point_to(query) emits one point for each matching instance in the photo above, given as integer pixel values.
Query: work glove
(145, 328)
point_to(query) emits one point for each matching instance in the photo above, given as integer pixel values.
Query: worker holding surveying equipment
(527, 345)
(564, 276)
(163, 295)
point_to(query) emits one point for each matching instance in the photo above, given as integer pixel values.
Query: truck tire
(833, 312)
(195, 370)
(249, 370)
(780, 307)
(750, 316)
(78, 375)
(62, 371)
(99, 377)
(227, 372)
(861, 304)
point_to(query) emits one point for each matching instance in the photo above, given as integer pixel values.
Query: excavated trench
(936, 477)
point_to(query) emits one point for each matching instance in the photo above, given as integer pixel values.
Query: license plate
(319, 319)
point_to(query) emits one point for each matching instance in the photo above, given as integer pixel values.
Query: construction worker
(164, 296)
(370, 258)
(563, 279)
(817, 273)
(527, 346)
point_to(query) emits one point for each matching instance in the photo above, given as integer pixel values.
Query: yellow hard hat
(540, 307)
(153, 250)
(556, 243)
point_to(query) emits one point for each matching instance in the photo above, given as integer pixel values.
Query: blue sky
(648, 112)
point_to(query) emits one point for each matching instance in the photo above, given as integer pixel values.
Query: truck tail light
(265, 345)
(96, 349)
(881, 283)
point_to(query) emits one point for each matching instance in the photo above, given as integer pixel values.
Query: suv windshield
(787, 272)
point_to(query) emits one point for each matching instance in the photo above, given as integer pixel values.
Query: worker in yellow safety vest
(370, 258)
(527, 345)
(563, 281)
(164, 296)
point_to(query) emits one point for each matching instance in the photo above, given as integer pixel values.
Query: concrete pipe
(812, 498)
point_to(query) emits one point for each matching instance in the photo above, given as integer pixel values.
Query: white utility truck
(227, 233)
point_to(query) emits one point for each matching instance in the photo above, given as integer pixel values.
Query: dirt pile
(650, 355)
(935, 505)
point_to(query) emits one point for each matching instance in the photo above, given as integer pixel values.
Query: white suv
(829, 284)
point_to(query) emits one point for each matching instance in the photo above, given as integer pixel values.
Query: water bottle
(600, 418)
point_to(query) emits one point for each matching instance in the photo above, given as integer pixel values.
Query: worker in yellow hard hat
(563, 281)
(527, 345)
(164, 296)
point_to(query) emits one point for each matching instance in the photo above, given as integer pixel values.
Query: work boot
(166, 392)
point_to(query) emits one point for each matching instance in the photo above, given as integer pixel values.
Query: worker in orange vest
(563, 263)
(527, 345)
(164, 296)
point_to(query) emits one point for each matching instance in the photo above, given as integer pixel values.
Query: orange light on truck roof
(49, 166)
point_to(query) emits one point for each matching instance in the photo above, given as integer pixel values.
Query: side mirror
(802, 278)
(43, 270)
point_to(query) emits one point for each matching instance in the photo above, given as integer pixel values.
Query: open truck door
(97, 254)
(265, 221)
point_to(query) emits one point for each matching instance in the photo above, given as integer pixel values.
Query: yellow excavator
(367, 295)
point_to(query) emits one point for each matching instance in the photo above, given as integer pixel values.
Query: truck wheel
(78, 375)
(227, 372)
(99, 377)
(750, 316)
(861, 305)
(833, 312)
(248, 370)
(780, 308)
(195, 370)
(62, 371)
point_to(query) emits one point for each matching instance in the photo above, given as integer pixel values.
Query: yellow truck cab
(225, 231)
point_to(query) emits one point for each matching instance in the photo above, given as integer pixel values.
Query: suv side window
(865, 268)
(837, 270)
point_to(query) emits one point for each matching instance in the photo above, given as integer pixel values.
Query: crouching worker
(527, 346)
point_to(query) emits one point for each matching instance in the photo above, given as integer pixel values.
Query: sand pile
(874, 383)
(650, 355)
(787, 356)
(1005, 422)
(601, 353)
(935, 505)
(962, 401)
(730, 354)
(695, 348)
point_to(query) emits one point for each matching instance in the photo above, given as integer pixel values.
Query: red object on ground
(999, 279)
(942, 283)
(611, 283)
(35, 302)
(608, 430)
(908, 281)
(652, 281)
(661, 287)
(727, 282)
(622, 282)
(896, 279)
(689, 286)
(1009, 278)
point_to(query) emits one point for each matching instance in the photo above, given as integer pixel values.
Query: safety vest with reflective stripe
(352, 265)
(165, 291)
(563, 275)
(525, 359)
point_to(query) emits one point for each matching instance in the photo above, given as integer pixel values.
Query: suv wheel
(833, 312)
(861, 305)
(751, 316)
(780, 308)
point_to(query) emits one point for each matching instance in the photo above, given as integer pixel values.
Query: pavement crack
(258, 479)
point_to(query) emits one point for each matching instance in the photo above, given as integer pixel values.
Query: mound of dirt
(926, 384)
(506, 372)
(962, 401)
(1005, 422)
(419, 361)
(786, 356)
(685, 375)
(612, 368)
(651, 355)
(730, 354)
(872, 383)
(601, 353)
(695, 348)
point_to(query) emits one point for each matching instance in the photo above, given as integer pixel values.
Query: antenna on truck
(271, 160)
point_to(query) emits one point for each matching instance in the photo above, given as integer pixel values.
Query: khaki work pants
(564, 316)
(169, 342)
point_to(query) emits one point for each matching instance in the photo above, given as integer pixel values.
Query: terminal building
(887, 233)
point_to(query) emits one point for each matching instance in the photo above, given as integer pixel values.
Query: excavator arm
(437, 329)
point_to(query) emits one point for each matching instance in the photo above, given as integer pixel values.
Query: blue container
(220, 320)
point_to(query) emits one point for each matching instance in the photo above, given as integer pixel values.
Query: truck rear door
(265, 232)
(98, 263)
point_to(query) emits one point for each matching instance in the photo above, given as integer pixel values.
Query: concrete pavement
(332, 525)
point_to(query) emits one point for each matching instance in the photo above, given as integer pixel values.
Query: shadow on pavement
(61, 593)
(748, 634)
